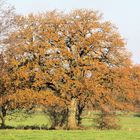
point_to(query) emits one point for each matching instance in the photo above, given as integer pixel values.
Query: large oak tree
(68, 56)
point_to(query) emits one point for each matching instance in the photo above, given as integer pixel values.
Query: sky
(125, 14)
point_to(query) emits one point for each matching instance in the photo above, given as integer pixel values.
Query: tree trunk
(2, 116)
(79, 119)
(72, 123)
(79, 113)
(2, 122)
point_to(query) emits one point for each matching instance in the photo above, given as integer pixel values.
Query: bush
(107, 120)
(58, 116)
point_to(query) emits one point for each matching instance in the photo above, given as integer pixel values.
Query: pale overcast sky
(123, 13)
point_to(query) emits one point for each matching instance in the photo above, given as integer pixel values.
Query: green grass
(69, 135)
(130, 130)
(34, 119)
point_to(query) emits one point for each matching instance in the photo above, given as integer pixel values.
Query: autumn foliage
(69, 63)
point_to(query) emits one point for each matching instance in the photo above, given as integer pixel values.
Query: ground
(130, 130)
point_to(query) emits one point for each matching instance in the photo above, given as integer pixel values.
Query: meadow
(130, 129)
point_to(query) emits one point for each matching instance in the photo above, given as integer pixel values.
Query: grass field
(130, 130)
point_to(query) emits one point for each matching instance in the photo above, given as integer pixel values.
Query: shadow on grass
(137, 115)
(27, 127)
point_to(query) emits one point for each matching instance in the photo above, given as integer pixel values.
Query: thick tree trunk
(72, 122)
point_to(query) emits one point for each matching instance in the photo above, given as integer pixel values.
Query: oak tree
(68, 56)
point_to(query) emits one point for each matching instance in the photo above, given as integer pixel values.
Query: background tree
(7, 21)
(114, 93)
(7, 26)
(7, 97)
(135, 78)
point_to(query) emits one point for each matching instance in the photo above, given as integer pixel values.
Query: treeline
(65, 63)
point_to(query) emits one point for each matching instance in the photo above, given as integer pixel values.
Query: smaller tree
(7, 25)
(135, 78)
(7, 98)
(113, 91)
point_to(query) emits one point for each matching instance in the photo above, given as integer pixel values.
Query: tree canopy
(67, 62)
